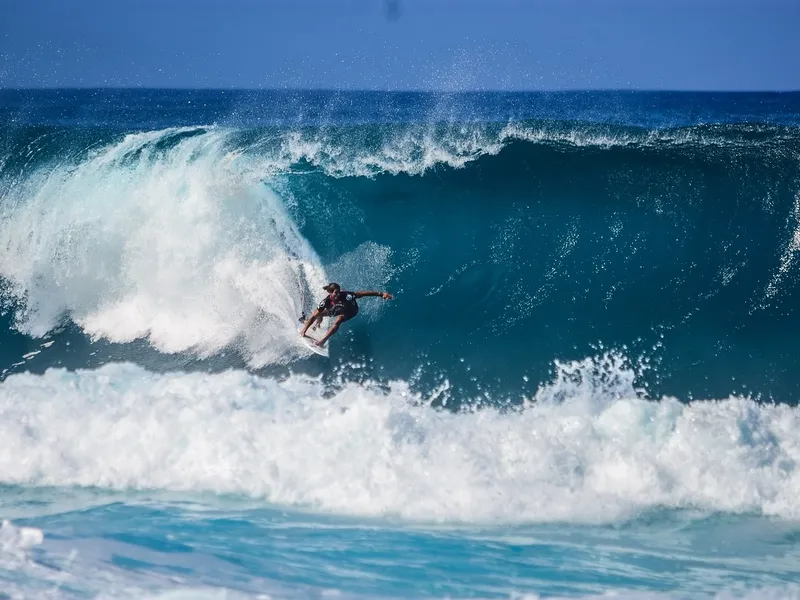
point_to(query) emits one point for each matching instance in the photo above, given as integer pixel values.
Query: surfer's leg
(334, 328)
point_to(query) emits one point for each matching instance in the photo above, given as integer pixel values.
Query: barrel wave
(592, 337)
(509, 244)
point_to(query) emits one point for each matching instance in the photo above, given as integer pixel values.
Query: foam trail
(588, 449)
(159, 236)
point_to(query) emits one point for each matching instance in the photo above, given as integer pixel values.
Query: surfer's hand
(386, 296)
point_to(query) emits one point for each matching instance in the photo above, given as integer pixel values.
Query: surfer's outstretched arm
(384, 295)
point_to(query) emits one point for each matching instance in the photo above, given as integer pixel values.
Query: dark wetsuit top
(346, 305)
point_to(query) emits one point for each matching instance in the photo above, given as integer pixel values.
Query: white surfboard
(314, 336)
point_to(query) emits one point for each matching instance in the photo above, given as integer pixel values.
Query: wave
(205, 240)
(587, 447)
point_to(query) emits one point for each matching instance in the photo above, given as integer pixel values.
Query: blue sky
(402, 44)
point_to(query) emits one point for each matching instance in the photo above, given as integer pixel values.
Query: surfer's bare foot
(320, 344)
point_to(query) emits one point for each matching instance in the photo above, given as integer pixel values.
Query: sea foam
(587, 448)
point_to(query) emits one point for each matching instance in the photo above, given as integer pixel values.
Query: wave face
(661, 226)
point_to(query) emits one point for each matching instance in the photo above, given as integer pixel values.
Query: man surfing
(339, 304)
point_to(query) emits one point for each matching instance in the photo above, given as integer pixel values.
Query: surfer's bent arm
(310, 320)
(384, 295)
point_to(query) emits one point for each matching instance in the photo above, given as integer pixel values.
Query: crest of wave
(159, 236)
(412, 149)
(415, 149)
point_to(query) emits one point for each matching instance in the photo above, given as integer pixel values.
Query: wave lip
(417, 149)
(587, 449)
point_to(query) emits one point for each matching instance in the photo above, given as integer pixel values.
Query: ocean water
(586, 385)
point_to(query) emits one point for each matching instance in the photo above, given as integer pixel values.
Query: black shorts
(341, 309)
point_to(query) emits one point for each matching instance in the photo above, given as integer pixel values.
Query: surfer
(339, 304)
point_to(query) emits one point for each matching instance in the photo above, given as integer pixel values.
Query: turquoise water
(585, 385)
(128, 546)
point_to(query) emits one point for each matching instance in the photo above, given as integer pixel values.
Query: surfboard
(314, 336)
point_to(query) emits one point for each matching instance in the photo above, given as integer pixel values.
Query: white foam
(14, 539)
(587, 448)
(15, 545)
(159, 236)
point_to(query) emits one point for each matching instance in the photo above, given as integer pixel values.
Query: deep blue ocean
(587, 382)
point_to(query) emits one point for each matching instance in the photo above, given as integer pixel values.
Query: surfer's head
(332, 288)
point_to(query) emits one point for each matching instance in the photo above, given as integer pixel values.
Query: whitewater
(585, 385)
